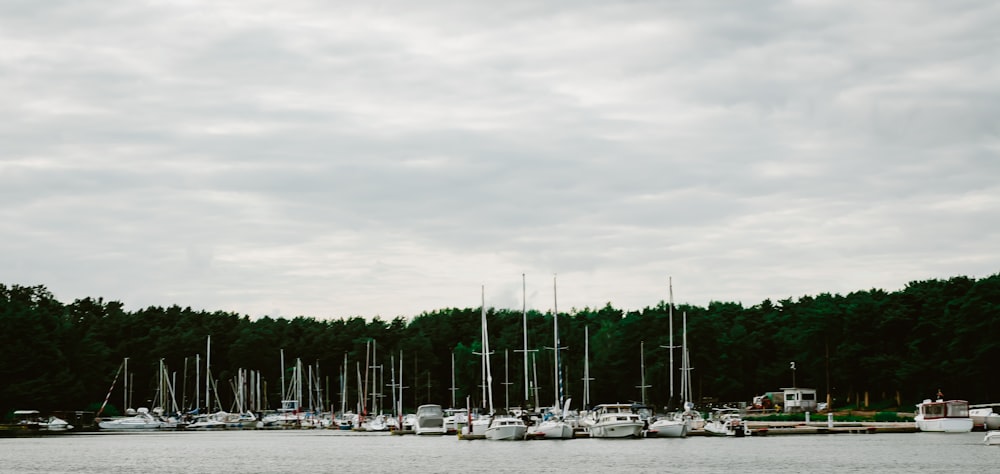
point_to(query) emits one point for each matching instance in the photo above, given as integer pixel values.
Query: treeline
(931, 335)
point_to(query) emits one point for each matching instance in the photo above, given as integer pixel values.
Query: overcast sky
(338, 159)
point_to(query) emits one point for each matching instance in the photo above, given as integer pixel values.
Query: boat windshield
(958, 409)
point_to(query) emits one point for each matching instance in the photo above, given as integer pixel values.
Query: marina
(334, 450)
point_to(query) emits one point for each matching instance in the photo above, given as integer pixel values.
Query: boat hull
(616, 430)
(668, 429)
(944, 425)
(505, 433)
(551, 430)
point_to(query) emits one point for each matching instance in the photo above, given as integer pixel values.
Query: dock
(798, 428)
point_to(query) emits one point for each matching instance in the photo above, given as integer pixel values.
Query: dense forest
(874, 345)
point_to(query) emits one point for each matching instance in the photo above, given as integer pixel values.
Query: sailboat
(554, 425)
(672, 425)
(502, 427)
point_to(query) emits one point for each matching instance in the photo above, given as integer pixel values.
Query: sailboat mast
(208, 374)
(555, 345)
(671, 326)
(126, 385)
(486, 352)
(586, 367)
(283, 395)
(524, 323)
(453, 388)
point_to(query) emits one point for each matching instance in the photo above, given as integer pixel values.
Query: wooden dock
(798, 428)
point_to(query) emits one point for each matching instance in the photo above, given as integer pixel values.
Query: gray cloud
(387, 158)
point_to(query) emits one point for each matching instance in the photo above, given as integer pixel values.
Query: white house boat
(943, 416)
(727, 422)
(615, 421)
(430, 420)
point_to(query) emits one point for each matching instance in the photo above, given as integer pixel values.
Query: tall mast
(126, 385)
(555, 344)
(671, 347)
(208, 374)
(488, 386)
(586, 367)
(642, 364)
(343, 388)
(524, 323)
(283, 394)
(671, 326)
(453, 387)
(525, 351)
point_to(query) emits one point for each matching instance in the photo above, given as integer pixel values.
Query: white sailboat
(502, 427)
(673, 425)
(555, 426)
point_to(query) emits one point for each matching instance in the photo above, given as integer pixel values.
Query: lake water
(328, 451)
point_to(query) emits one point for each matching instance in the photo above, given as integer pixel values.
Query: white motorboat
(668, 426)
(142, 420)
(943, 416)
(984, 418)
(553, 428)
(32, 420)
(430, 420)
(615, 421)
(55, 424)
(727, 422)
(506, 428)
(206, 423)
(992, 438)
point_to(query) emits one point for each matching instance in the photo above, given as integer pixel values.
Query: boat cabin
(798, 400)
(944, 409)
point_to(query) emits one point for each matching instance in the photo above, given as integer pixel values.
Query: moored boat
(984, 418)
(615, 420)
(430, 420)
(142, 420)
(506, 428)
(668, 426)
(943, 416)
(727, 422)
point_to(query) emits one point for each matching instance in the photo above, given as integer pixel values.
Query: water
(326, 451)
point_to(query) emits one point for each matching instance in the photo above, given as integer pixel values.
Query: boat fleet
(610, 420)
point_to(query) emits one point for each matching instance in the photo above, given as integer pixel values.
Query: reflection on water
(327, 451)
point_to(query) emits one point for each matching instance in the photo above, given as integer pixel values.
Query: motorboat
(205, 423)
(727, 422)
(992, 438)
(506, 428)
(142, 420)
(430, 420)
(54, 423)
(553, 428)
(671, 425)
(33, 420)
(553, 424)
(615, 421)
(943, 416)
(984, 418)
